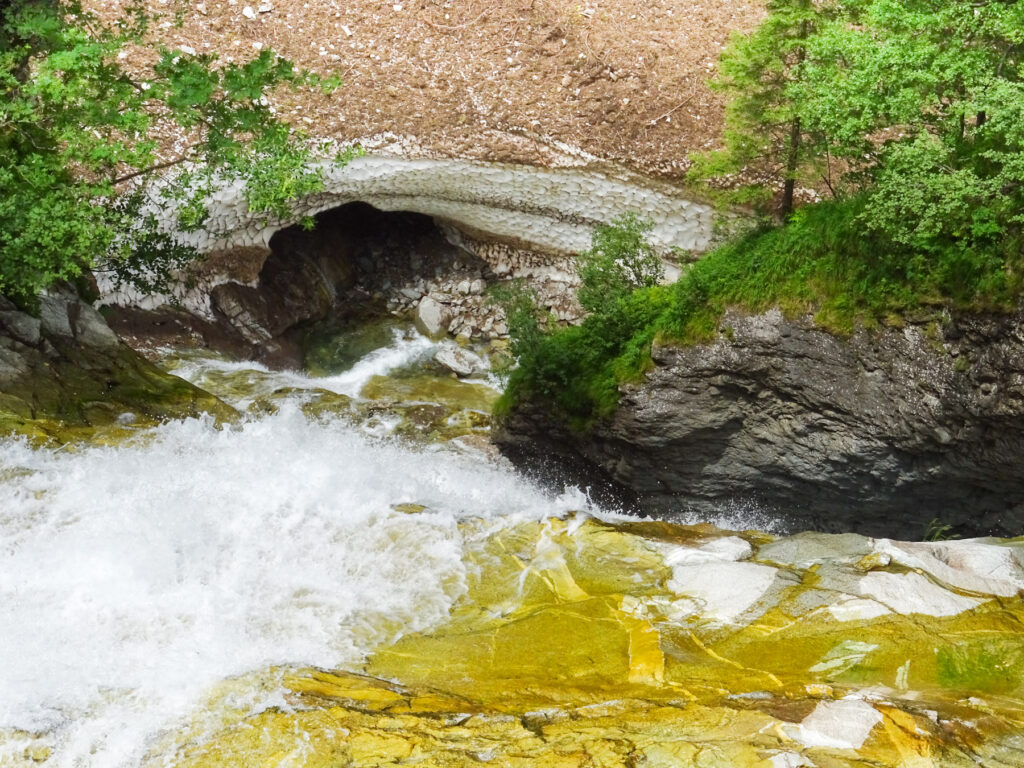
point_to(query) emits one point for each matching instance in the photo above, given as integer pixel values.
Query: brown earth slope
(493, 79)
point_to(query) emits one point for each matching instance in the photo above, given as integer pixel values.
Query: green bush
(78, 132)
(577, 370)
(619, 261)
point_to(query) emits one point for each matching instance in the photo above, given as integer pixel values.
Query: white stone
(431, 317)
(973, 566)
(843, 724)
(248, 12)
(726, 589)
(907, 593)
(726, 548)
(412, 294)
(847, 654)
(790, 760)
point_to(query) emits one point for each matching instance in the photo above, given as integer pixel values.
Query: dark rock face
(68, 368)
(880, 433)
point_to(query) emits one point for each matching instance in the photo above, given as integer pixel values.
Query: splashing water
(133, 578)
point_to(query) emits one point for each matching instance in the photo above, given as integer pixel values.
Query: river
(136, 578)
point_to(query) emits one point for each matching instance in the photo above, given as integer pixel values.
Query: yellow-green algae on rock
(585, 643)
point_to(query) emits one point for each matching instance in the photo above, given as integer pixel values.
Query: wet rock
(807, 549)
(12, 366)
(431, 408)
(91, 330)
(461, 362)
(21, 326)
(577, 643)
(65, 376)
(53, 315)
(329, 404)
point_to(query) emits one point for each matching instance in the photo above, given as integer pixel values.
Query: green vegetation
(78, 132)
(918, 105)
(619, 261)
(909, 116)
(937, 530)
(578, 368)
(766, 135)
(819, 262)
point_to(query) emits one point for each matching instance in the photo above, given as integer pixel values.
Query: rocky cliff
(880, 433)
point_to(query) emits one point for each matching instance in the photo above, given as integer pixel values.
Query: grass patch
(822, 261)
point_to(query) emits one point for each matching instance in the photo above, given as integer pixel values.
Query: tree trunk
(792, 160)
(793, 150)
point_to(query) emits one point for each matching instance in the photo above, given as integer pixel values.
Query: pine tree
(767, 138)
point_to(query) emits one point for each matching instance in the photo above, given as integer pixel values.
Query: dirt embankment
(509, 80)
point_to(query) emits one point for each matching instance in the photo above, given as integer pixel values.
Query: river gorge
(513, 383)
(335, 567)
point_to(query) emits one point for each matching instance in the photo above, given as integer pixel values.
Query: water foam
(205, 370)
(134, 578)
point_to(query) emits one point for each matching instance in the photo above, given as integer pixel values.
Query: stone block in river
(65, 376)
(461, 362)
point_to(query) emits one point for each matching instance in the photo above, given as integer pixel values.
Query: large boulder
(883, 432)
(462, 362)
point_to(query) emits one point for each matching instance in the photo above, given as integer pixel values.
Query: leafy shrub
(619, 261)
(78, 134)
(577, 369)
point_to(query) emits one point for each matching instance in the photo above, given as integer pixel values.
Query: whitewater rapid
(134, 578)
